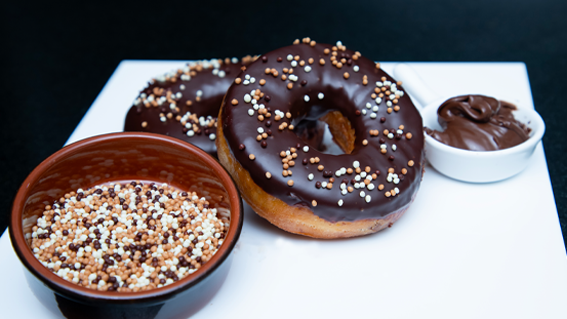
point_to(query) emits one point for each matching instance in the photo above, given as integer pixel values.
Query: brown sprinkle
(410, 163)
(144, 124)
(314, 203)
(234, 102)
(290, 183)
(238, 80)
(268, 175)
(262, 81)
(252, 157)
(409, 136)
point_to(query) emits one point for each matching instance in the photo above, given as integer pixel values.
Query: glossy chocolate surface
(353, 98)
(202, 84)
(479, 123)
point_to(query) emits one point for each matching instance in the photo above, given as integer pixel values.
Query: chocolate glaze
(212, 78)
(479, 123)
(347, 95)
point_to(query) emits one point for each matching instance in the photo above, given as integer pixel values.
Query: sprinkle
(320, 96)
(368, 105)
(251, 112)
(190, 133)
(314, 203)
(306, 98)
(307, 69)
(410, 163)
(362, 194)
(310, 176)
(247, 98)
(268, 175)
(290, 183)
(370, 186)
(294, 63)
(306, 148)
(234, 101)
(251, 157)
(409, 136)
(355, 68)
(289, 57)
(355, 164)
(340, 202)
(367, 198)
(394, 147)
(260, 130)
(390, 135)
(199, 93)
(212, 136)
(378, 100)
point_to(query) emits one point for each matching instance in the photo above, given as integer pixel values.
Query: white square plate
(461, 250)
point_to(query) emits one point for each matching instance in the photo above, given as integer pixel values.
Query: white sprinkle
(190, 133)
(307, 69)
(344, 191)
(339, 43)
(324, 185)
(289, 57)
(394, 147)
(355, 164)
(355, 68)
(247, 98)
(182, 87)
(364, 112)
(199, 93)
(260, 130)
(375, 108)
(306, 98)
(390, 135)
(392, 96)
(378, 100)
(373, 115)
(255, 107)
(212, 136)
(222, 74)
(400, 132)
(363, 174)
(294, 63)
(320, 96)
(340, 202)
(310, 176)
(247, 76)
(370, 186)
(343, 186)
(379, 84)
(383, 146)
(252, 80)
(397, 190)
(368, 105)
(362, 194)
(246, 82)
(389, 103)
(251, 112)
(234, 60)
(306, 148)
(367, 198)
(163, 119)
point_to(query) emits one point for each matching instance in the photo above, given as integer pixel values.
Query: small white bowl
(465, 165)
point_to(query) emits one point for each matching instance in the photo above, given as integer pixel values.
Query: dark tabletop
(56, 58)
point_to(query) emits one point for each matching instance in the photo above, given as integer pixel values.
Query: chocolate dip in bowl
(474, 138)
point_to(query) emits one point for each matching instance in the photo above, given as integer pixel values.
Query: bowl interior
(523, 114)
(123, 157)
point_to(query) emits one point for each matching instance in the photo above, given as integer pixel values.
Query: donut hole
(331, 133)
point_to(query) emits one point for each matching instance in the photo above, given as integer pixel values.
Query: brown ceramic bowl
(122, 157)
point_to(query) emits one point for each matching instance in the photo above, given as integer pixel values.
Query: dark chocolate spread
(304, 82)
(185, 103)
(479, 123)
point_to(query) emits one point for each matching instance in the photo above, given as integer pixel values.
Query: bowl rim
(157, 295)
(526, 145)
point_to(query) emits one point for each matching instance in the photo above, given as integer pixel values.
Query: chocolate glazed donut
(290, 182)
(185, 103)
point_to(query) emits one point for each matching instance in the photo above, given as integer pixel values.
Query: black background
(56, 58)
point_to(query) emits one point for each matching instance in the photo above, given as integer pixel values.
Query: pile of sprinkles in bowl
(127, 238)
